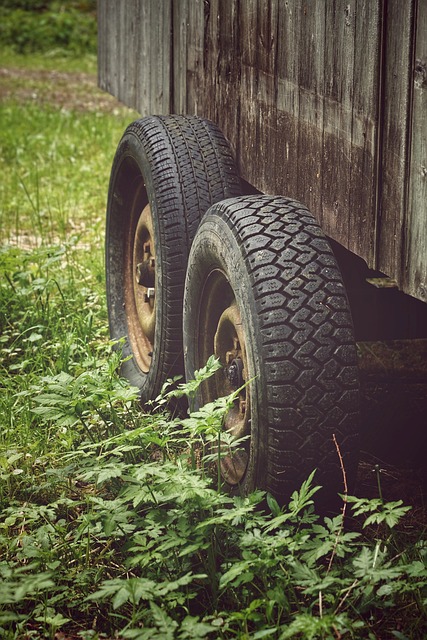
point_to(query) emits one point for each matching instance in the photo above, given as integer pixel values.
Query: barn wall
(321, 100)
(134, 52)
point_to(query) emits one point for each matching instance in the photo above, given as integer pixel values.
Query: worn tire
(264, 293)
(166, 172)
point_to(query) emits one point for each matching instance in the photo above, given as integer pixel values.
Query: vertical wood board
(135, 52)
(395, 120)
(415, 253)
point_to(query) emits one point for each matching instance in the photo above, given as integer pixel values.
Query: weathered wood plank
(395, 126)
(338, 114)
(102, 44)
(188, 55)
(288, 97)
(257, 46)
(362, 210)
(311, 71)
(111, 36)
(181, 25)
(154, 57)
(128, 75)
(195, 81)
(123, 91)
(416, 228)
(135, 52)
(222, 66)
(145, 100)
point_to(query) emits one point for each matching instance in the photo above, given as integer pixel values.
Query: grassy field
(109, 524)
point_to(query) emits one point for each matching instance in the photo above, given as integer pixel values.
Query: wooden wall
(322, 100)
(135, 52)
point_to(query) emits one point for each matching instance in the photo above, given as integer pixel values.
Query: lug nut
(150, 294)
(234, 373)
(145, 274)
(139, 273)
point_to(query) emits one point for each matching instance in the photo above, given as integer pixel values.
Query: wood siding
(134, 52)
(323, 101)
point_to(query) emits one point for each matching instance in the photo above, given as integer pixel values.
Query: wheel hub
(235, 373)
(140, 290)
(229, 347)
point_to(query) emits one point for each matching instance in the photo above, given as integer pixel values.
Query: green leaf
(108, 471)
(55, 621)
(239, 573)
(303, 498)
(264, 633)
(273, 505)
(312, 627)
(192, 628)
(164, 623)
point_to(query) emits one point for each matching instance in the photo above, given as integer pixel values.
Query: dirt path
(71, 91)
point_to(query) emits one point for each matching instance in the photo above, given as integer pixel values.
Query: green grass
(55, 167)
(111, 524)
(48, 61)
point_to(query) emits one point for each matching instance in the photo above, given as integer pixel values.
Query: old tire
(264, 293)
(166, 172)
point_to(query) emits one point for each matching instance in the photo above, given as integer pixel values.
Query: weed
(56, 28)
(123, 528)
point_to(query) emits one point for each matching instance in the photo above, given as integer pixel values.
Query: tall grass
(64, 28)
(111, 524)
(54, 164)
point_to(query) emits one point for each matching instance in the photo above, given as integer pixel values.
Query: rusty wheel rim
(140, 279)
(224, 331)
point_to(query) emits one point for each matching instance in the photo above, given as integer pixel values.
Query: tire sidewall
(132, 151)
(216, 248)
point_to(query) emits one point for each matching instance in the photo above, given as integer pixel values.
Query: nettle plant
(131, 535)
(114, 521)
